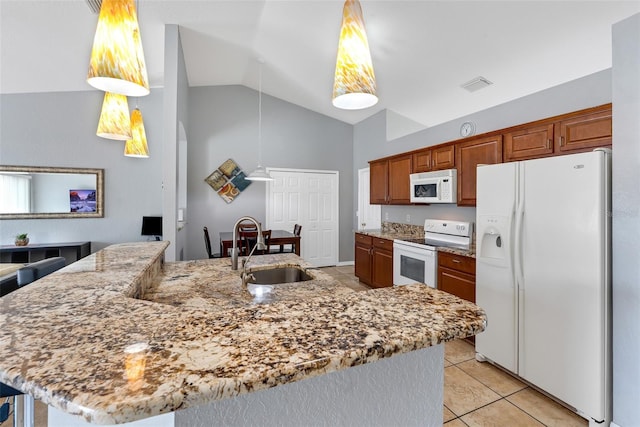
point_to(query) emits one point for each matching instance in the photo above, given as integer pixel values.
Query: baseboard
(340, 264)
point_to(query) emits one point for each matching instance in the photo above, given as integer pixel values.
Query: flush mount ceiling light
(114, 118)
(354, 85)
(260, 174)
(476, 84)
(117, 60)
(137, 145)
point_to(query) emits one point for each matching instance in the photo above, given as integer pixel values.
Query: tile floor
(475, 394)
(479, 394)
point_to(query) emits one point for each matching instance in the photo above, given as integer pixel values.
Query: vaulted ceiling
(423, 51)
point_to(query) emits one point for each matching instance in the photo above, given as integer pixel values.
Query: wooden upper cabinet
(569, 133)
(443, 157)
(378, 171)
(528, 143)
(469, 155)
(389, 180)
(430, 159)
(421, 161)
(584, 132)
(399, 171)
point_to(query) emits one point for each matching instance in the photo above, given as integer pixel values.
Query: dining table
(278, 238)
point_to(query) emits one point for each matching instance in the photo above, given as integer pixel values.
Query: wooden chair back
(248, 239)
(207, 242)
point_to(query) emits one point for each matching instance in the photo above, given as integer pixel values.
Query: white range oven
(416, 260)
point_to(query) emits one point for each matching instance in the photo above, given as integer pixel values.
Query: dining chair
(249, 240)
(248, 226)
(207, 242)
(297, 229)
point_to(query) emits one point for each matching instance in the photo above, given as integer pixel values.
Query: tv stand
(71, 251)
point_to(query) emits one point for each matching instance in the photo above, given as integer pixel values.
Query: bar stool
(26, 275)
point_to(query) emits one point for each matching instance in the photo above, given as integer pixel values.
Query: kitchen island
(121, 336)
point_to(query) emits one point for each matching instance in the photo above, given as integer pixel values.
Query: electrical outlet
(408, 218)
(386, 216)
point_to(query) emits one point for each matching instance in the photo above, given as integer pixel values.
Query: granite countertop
(88, 340)
(407, 234)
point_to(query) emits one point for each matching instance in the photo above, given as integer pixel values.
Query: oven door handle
(410, 250)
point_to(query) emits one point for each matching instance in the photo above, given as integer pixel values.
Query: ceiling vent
(94, 5)
(476, 84)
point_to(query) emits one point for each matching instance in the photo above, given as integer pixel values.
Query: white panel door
(320, 248)
(283, 201)
(308, 198)
(369, 216)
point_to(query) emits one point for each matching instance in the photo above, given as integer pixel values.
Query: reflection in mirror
(48, 192)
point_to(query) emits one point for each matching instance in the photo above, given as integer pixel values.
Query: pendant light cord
(260, 114)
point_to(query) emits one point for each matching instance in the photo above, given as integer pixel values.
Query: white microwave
(434, 187)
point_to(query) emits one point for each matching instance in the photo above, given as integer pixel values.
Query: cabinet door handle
(561, 141)
(549, 143)
(457, 261)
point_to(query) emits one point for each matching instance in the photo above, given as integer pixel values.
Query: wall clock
(467, 129)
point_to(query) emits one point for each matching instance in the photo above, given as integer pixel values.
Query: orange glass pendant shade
(114, 118)
(354, 84)
(137, 146)
(117, 60)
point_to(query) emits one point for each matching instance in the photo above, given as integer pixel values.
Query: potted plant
(22, 240)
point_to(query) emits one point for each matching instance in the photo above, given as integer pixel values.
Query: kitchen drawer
(457, 262)
(383, 244)
(459, 284)
(363, 239)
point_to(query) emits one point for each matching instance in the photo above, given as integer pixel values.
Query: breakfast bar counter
(121, 336)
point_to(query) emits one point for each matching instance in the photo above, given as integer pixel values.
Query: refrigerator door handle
(517, 251)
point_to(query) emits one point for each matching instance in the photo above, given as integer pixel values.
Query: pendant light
(137, 145)
(117, 60)
(260, 173)
(354, 85)
(114, 118)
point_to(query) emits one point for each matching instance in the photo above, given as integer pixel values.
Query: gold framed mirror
(35, 192)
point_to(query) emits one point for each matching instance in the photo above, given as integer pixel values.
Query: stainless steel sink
(279, 275)
(262, 283)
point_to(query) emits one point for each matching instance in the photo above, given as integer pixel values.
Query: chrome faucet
(246, 277)
(259, 242)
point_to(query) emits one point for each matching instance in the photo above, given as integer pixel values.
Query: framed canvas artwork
(228, 180)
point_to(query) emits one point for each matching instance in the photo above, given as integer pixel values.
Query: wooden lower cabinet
(362, 258)
(457, 275)
(374, 260)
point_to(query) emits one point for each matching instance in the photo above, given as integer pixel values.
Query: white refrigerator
(543, 257)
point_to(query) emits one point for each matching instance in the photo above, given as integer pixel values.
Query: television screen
(151, 226)
(82, 200)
